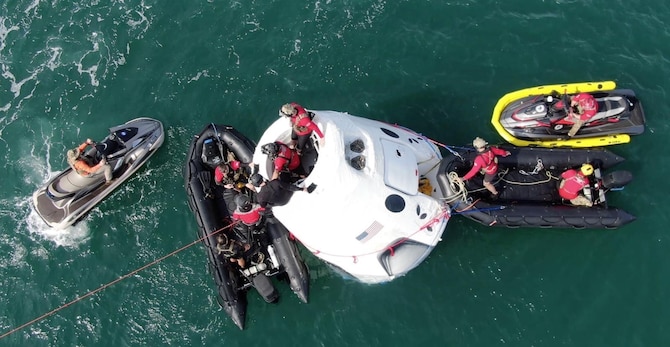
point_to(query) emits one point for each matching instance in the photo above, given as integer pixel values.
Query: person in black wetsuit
(276, 192)
(232, 250)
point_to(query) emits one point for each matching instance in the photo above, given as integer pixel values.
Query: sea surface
(72, 69)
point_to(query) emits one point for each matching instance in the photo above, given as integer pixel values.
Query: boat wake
(70, 237)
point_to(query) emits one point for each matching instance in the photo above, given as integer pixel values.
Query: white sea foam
(71, 237)
(4, 31)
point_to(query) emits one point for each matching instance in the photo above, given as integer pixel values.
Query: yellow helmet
(587, 169)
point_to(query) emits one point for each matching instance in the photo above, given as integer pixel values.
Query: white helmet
(287, 110)
(479, 143)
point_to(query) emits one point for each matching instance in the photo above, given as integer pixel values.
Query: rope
(448, 148)
(547, 173)
(458, 187)
(52, 312)
(538, 167)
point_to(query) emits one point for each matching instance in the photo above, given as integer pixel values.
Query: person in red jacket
(486, 162)
(80, 164)
(284, 158)
(573, 182)
(247, 212)
(302, 125)
(586, 107)
(229, 175)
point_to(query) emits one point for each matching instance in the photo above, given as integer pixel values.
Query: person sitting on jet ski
(573, 182)
(284, 158)
(302, 125)
(583, 107)
(80, 164)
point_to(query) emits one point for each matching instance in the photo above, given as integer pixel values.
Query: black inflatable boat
(527, 181)
(272, 252)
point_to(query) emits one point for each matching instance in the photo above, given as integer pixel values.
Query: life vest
(227, 250)
(230, 177)
(425, 187)
(219, 175)
(82, 167)
(572, 184)
(587, 107)
(291, 158)
(251, 217)
(230, 250)
(490, 162)
(297, 119)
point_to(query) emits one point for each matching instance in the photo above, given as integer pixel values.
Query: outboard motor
(617, 179)
(212, 152)
(265, 288)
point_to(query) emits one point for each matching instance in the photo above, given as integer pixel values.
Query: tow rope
(448, 148)
(52, 312)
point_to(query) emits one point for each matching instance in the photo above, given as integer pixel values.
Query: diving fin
(206, 180)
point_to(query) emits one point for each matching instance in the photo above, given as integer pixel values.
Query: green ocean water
(71, 69)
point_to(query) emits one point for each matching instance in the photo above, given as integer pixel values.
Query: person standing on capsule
(302, 125)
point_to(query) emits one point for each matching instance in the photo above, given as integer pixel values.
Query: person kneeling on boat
(81, 165)
(283, 157)
(573, 182)
(486, 162)
(229, 175)
(302, 125)
(583, 107)
(247, 212)
(276, 192)
(232, 250)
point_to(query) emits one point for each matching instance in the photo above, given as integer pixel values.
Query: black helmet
(256, 180)
(243, 202)
(271, 149)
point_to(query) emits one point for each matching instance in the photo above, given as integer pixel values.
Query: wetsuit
(276, 192)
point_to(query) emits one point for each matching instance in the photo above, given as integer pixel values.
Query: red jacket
(486, 161)
(287, 158)
(302, 124)
(588, 105)
(248, 218)
(574, 181)
(218, 175)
